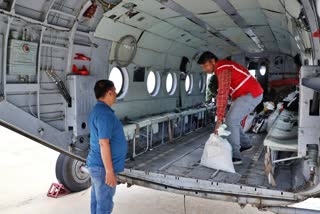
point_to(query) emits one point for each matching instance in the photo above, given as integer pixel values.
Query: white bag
(268, 106)
(217, 154)
(273, 117)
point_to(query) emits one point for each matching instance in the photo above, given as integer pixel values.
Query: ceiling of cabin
(183, 27)
(225, 26)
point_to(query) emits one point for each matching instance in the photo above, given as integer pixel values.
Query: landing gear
(69, 174)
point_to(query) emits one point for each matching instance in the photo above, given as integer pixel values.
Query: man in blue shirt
(108, 148)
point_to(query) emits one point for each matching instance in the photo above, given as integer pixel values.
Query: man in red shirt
(233, 80)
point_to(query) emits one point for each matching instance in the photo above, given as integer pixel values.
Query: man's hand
(218, 124)
(111, 179)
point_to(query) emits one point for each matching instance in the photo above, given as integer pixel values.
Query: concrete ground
(28, 169)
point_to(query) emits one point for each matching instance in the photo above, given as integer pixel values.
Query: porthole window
(202, 83)
(171, 83)
(189, 84)
(153, 83)
(120, 79)
(263, 70)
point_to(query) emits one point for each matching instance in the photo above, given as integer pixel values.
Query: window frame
(156, 89)
(125, 81)
(174, 83)
(202, 83)
(190, 88)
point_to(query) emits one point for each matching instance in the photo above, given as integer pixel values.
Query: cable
(59, 83)
(184, 204)
(29, 104)
(45, 88)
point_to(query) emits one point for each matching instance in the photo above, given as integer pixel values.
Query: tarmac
(29, 170)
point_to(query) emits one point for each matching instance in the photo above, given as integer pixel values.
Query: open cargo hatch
(175, 167)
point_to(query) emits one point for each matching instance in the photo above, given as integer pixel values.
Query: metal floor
(182, 158)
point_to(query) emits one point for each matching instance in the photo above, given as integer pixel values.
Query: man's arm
(111, 179)
(224, 82)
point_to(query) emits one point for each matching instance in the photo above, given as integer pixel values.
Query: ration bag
(291, 102)
(217, 154)
(273, 117)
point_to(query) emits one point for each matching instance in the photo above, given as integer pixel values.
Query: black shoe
(242, 149)
(236, 161)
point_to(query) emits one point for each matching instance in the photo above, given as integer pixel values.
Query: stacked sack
(263, 121)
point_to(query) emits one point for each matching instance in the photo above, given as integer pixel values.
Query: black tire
(59, 165)
(68, 173)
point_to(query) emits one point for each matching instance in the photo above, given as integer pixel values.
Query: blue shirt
(104, 124)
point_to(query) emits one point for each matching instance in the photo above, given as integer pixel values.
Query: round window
(202, 83)
(119, 77)
(189, 84)
(171, 83)
(263, 70)
(153, 83)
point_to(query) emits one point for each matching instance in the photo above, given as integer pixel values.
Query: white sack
(217, 154)
(273, 117)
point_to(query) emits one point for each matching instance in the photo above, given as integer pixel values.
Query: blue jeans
(101, 193)
(240, 108)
